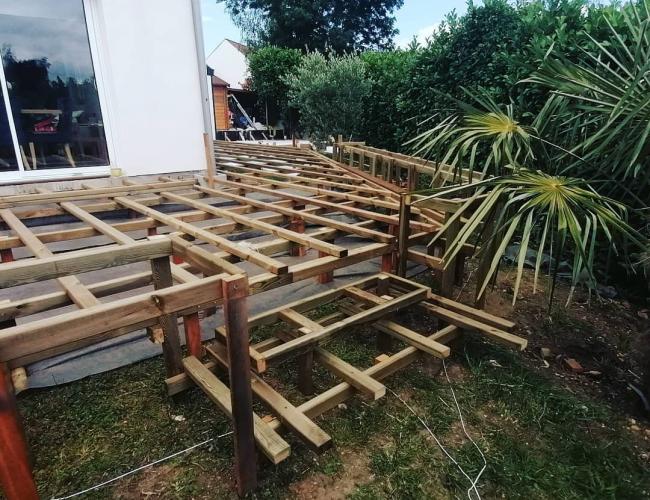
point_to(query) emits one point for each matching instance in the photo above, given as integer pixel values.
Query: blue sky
(415, 18)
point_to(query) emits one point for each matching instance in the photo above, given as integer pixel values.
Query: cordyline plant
(553, 214)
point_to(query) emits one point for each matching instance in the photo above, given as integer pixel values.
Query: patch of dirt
(150, 483)
(609, 338)
(356, 472)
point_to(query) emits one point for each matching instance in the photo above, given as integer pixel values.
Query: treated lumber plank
(162, 278)
(356, 378)
(98, 224)
(32, 270)
(270, 442)
(464, 322)
(263, 261)
(85, 326)
(357, 212)
(411, 337)
(367, 386)
(301, 239)
(81, 194)
(315, 219)
(73, 287)
(343, 391)
(297, 422)
(207, 262)
(471, 312)
(366, 316)
(235, 312)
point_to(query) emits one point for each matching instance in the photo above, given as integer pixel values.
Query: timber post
(235, 312)
(192, 325)
(162, 278)
(404, 233)
(449, 271)
(15, 469)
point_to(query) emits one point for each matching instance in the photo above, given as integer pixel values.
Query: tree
(334, 25)
(270, 68)
(329, 93)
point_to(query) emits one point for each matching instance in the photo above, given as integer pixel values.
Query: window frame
(93, 28)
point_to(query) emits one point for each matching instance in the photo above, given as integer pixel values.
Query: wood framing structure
(267, 217)
(300, 333)
(399, 169)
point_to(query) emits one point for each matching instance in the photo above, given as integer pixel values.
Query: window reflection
(7, 152)
(51, 82)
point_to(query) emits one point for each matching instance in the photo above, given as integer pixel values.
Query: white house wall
(229, 64)
(154, 114)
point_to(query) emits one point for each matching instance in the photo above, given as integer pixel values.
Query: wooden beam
(72, 286)
(162, 278)
(32, 270)
(305, 429)
(263, 261)
(461, 321)
(272, 445)
(235, 313)
(305, 240)
(30, 342)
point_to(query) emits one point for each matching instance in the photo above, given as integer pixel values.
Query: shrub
(329, 91)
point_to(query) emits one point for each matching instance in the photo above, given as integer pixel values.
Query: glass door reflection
(51, 84)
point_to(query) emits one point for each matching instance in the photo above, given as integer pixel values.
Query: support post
(404, 233)
(306, 372)
(325, 277)
(15, 469)
(384, 341)
(209, 159)
(7, 255)
(449, 271)
(297, 225)
(192, 326)
(235, 312)
(162, 278)
(152, 231)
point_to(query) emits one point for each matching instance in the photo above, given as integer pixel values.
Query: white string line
(121, 476)
(473, 482)
(462, 423)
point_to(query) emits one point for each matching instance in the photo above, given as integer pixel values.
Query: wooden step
(269, 441)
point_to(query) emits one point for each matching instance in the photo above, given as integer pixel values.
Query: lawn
(541, 437)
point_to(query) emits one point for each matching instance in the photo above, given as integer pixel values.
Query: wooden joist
(270, 442)
(304, 428)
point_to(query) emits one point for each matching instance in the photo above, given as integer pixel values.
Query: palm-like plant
(483, 132)
(601, 104)
(561, 215)
(596, 125)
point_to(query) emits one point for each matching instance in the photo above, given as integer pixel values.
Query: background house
(86, 87)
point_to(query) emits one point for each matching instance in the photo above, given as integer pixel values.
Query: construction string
(473, 482)
(121, 476)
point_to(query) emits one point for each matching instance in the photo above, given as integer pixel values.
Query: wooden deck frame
(257, 195)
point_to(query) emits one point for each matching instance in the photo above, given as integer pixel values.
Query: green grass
(540, 440)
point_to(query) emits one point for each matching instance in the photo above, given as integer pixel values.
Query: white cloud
(421, 36)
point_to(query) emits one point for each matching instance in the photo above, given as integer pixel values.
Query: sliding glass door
(48, 76)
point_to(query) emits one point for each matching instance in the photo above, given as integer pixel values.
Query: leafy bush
(382, 116)
(329, 92)
(270, 68)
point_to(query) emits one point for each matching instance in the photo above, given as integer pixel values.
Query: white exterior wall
(229, 64)
(153, 115)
